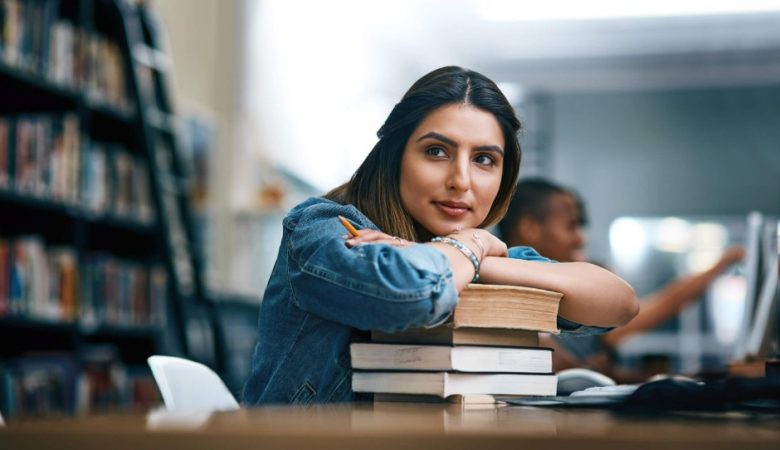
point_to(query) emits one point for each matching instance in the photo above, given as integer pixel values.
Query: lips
(453, 209)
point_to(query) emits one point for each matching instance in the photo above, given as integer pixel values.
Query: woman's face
(451, 168)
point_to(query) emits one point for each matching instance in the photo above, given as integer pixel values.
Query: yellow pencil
(349, 227)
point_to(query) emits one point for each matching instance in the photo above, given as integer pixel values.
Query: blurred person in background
(550, 219)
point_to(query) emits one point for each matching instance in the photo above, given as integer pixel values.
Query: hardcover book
(370, 356)
(501, 306)
(445, 384)
(448, 334)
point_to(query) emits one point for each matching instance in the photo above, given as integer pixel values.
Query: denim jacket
(323, 295)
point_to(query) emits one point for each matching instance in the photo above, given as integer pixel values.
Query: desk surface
(399, 426)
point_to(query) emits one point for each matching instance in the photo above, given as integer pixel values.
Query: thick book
(501, 306)
(450, 335)
(445, 384)
(372, 356)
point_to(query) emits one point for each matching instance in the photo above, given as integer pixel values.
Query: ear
(530, 231)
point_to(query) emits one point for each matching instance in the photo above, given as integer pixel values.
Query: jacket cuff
(435, 266)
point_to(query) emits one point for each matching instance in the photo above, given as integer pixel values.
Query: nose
(459, 177)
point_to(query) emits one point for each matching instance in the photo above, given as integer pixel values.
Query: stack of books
(489, 347)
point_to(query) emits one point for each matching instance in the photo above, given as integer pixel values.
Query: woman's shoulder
(316, 209)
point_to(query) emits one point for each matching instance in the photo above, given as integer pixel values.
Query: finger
(393, 242)
(372, 236)
(367, 233)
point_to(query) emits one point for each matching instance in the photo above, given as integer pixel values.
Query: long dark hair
(374, 188)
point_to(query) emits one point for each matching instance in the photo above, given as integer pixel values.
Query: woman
(444, 168)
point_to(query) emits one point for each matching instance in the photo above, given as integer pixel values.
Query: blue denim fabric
(322, 295)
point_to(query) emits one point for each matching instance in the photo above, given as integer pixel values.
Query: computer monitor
(761, 338)
(652, 252)
(753, 273)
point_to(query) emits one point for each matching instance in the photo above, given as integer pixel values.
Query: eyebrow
(448, 141)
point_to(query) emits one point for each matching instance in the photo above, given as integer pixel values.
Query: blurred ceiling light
(709, 236)
(628, 242)
(726, 306)
(552, 10)
(707, 242)
(699, 260)
(673, 235)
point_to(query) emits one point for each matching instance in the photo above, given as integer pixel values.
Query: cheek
(489, 192)
(410, 185)
(484, 199)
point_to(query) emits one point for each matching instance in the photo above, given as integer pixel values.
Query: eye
(485, 160)
(436, 151)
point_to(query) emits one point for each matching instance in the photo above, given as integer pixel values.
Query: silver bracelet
(478, 242)
(463, 249)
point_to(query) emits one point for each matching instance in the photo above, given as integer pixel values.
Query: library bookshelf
(97, 262)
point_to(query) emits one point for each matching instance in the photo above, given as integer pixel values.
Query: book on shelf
(28, 276)
(62, 275)
(502, 306)
(97, 381)
(40, 384)
(23, 28)
(96, 179)
(121, 293)
(46, 282)
(372, 356)
(46, 154)
(52, 160)
(34, 37)
(448, 334)
(5, 150)
(445, 384)
(5, 273)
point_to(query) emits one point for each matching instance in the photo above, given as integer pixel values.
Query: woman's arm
(591, 295)
(479, 241)
(482, 243)
(667, 302)
(365, 286)
(461, 266)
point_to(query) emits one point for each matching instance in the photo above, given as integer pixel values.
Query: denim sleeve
(571, 327)
(371, 286)
(527, 253)
(565, 325)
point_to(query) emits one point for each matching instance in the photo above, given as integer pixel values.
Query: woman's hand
(375, 237)
(480, 242)
(483, 241)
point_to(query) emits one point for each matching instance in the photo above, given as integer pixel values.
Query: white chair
(190, 386)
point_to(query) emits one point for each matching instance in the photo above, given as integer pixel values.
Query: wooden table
(399, 426)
